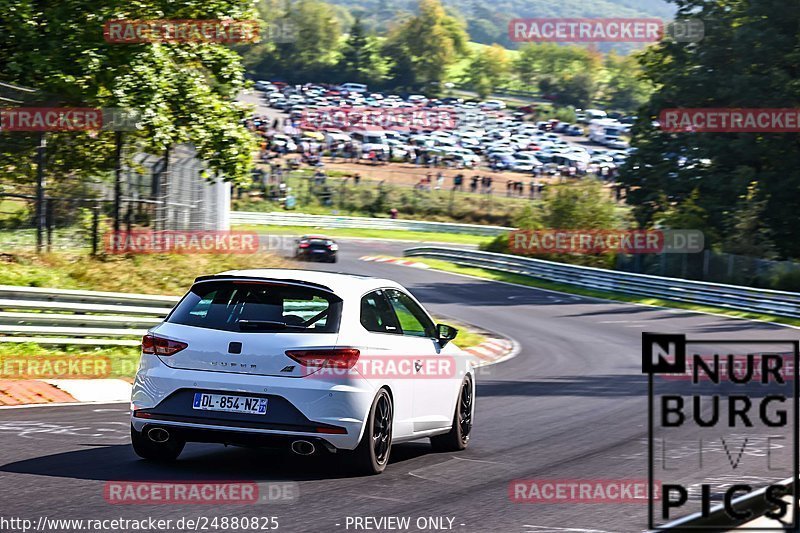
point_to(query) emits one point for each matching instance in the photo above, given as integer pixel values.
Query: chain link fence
(716, 267)
(79, 212)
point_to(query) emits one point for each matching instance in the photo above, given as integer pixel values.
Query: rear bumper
(215, 435)
(319, 256)
(297, 408)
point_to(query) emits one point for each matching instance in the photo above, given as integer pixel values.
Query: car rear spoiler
(230, 277)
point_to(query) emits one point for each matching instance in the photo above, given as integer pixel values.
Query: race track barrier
(765, 301)
(89, 318)
(325, 221)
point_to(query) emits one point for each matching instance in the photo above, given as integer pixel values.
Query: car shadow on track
(198, 462)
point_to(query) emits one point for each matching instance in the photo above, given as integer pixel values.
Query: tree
(747, 58)
(567, 74)
(748, 233)
(359, 62)
(487, 69)
(428, 42)
(585, 205)
(185, 90)
(625, 87)
(312, 51)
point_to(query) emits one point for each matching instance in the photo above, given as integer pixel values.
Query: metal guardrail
(65, 317)
(56, 316)
(733, 297)
(325, 221)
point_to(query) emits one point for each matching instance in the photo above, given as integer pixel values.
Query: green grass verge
(446, 266)
(168, 274)
(467, 336)
(419, 236)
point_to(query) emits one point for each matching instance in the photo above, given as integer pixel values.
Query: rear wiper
(265, 324)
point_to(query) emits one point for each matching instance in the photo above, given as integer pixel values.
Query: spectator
(439, 181)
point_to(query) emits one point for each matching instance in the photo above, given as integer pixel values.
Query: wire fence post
(50, 223)
(41, 214)
(95, 227)
(117, 181)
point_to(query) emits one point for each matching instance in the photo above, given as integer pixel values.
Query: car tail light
(161, 346)
(330, 357)
(304, 244)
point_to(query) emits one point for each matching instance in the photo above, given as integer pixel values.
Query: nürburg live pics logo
(722, 433)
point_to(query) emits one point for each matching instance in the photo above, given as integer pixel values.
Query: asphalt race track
(571, 405)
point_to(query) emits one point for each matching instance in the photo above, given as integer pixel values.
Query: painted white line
(94, 390)
(570, 529)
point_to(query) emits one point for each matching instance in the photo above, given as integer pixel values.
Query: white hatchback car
(316, 361)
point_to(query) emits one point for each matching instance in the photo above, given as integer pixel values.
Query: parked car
(492, 105)
(276, 357)
(574, 131)
(353, 87)
(262, 85)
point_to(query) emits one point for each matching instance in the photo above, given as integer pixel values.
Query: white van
(353, 87)
(370, 140)
(605, 130)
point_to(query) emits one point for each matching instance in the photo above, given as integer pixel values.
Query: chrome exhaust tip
(303, 447)
(159, 435)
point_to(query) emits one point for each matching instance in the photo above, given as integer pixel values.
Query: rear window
(258, 307)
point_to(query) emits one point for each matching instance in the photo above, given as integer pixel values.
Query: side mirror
(445, 333)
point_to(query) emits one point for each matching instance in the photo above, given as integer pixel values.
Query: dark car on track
(316, 248)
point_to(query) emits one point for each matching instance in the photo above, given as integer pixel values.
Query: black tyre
(372, 454)
(156, 451)
(332, 259)
(458, 437)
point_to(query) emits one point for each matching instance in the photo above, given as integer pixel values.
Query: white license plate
(229, 403)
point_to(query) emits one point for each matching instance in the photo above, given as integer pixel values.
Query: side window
(413, 320)
(376, 315)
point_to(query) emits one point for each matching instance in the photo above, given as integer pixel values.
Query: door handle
(417, 365)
